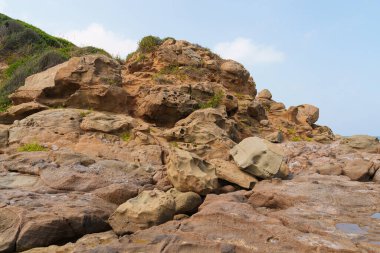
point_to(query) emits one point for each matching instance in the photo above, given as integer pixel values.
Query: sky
(325, 52)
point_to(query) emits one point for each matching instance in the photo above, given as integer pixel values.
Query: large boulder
(258, 157)
(148, 209)
(188, 172)
(265, 94)
(358, 169)
(91, 81)
(307, 114)
(185, 202)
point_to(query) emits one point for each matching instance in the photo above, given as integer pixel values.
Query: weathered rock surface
(82, 82)
(169, 117)
(148, 209)
(358, 170)
(188, 172)
(278, 216)
(20, 111)
(258, 157)
(228, 171)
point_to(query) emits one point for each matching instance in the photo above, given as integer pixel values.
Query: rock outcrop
(172, 151)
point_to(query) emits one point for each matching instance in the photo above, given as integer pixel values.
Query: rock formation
(174, 151)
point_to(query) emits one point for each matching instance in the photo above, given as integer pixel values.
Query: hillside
(175, 150)
(25, 50)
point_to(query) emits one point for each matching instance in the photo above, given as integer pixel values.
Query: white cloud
(96, 35)
(249, 53)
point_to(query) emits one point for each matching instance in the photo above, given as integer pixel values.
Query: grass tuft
(31, 147)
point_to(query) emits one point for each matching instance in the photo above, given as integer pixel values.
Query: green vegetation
(84, 113)
(308, 139)
(149, 43)
(214, 101)
(31, 147)
(126, 136)
(296, 138)
(28, 50)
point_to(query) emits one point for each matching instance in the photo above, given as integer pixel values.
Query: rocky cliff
(174, 150)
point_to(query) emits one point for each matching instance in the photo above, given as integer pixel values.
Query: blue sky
(325, 53)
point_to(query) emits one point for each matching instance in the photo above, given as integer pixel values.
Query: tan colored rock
(9, 227)
(256, 110)
(258, 157)
(148, 209)
(265, 94)
(96, 87)
(20, 111)
(106, 122)
(308, 114)
(275, 137)
(358, 170)
(330, 169)
(3, 136)
(188, 172)
(185, 202)
(362, 143)
(230, 172)
(376, 177)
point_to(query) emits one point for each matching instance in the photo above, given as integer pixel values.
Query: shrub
(149, 43)
(214, 101)
(31, 147)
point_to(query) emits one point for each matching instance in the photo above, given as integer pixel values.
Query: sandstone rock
(48, 218)
(188, 172)
(275, 137)
(307, 113)
(265, 94)
(107, 123)
(330, 169)
(83, 82)
(258, 157)
(148, 209)
(185, 202)
(275, 106)
(3, 136)
(234, 67)
(165, 106)
(363, 143)
(376, 177)
(358, 170)
(230, 172)
(20, 111)
(266, 220)
(257, 111)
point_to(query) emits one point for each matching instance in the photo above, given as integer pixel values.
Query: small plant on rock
(214, 101)
(126, 136)
(31, 147)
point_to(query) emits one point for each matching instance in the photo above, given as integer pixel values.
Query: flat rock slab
(302, 215)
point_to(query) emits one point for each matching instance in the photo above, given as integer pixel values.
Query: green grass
(126, 136)
(31, 147)
(214, 101)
